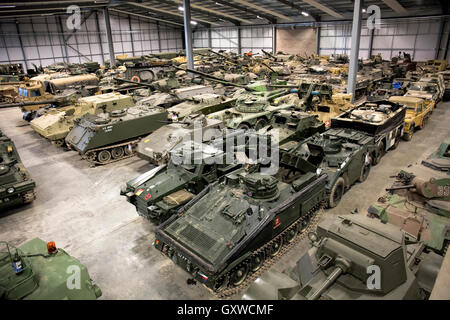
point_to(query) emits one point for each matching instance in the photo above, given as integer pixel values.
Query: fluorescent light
(364, 10)
(7, 6)
(259, 17)
(181, 8)
(193, 22)
(219, 4)
(305, 13)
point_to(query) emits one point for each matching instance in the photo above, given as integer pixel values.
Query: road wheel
(261, 123)
(336, 193)
(290, 235)
(424, 122)
(59, 142)
(239, 274)
(408, 135)
(244, 126)
(90, 156)
(257, 261)
(117, 153)
(104, 156)
(365, 170)
(379, 153)
(276, 247)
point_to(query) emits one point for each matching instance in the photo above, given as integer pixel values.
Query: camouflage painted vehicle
(57, 123)
(160, 192)
(435, 65)
(384, 120)
(108, 137)
(343, 154)
(425, 90)
(440, 159)
(156, 147)
(291, 124)
(437, 79)
(203, 103)
(251, 110)
(418, 111)
(237, 224)
(16, 185)
(446, 76)
(420, 206)
(39, 271)
(341, 265)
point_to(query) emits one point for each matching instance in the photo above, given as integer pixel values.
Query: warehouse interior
(81, 207)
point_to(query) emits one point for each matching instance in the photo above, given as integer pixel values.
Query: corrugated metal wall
(43, 39)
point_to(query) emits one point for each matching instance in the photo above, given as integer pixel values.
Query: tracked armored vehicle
(16, 185)
(108, 137)
(56, 124)
(384, 120)
(418, 202)
(156, 147)
(228, 231)
(160, 192)
(39, 271)
(440, 159)
(347, 253)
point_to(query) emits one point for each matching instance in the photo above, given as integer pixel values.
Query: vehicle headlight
(10, 190)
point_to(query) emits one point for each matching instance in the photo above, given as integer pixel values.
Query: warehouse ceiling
(216, 13)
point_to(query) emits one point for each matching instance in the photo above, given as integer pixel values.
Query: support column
(318, 40)
(131, 36)
(274, 39)
(112, 56)
(209, 38)
(63, 41)
(354, 53)
(99, 37)
(439, 40)
(159, 36)
(16, 23)
(371, 33)
(239, 48)
(188, 33)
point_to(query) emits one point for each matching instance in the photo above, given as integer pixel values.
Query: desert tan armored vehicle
(56, 124)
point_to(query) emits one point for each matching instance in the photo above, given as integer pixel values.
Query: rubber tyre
(408, 136)
(365, 171)
(117, 153)
(257, 261)
(261, 123)
(244, 126)
(239, 275)
(379, 154)
(275, 250)
(104, 156)
(336, 193)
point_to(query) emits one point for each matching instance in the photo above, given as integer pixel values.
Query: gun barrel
(133, 82)
(326, 284)
(210, 77)
(30, 103)
(408, 186)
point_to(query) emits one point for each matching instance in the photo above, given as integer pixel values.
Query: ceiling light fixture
(193, 22)
(181, 8)
(305, 13)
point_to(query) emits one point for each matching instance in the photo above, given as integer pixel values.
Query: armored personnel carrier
(160, 192)
(440, 159)
(16, 185)
(108, 137)
(156, 147)
(343, 154)
(384, 120)
(353, 258)
(227, 232)
(418, 202)
(57, 123)
(39, 271)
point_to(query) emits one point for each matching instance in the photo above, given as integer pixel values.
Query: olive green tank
(57, 123)
(39, 271)
(16, 185)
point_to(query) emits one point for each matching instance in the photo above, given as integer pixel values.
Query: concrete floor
(79, 207)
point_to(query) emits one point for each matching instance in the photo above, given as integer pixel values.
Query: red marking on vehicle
(276, 222)
(148, 196)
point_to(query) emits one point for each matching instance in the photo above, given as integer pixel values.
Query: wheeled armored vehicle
(16, 185)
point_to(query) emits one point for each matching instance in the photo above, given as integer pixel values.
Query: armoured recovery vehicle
(16, 185)
(418, 111)
(57, 123)
(39, 271)
(342, 153)
(353, 258)
(230, 229)
(418, 202)
(384, 120)
(108, 137)
(160, 192)
(156, 147)
(440, 159)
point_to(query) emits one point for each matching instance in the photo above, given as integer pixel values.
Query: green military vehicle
(158, 193)
(226, 233)
(419, 205)
(39, 271)
(440, 159)
(353, 258)
(108, 137)
(343, 154)
(16, 185)
(57, 123)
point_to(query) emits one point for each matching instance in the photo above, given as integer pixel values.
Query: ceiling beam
(396, 6)
(245, 9)
(151, 8)
(43, 3)
(146, 17)
(323, 8)
(268, 11)
(48, 9)
(231, 17)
